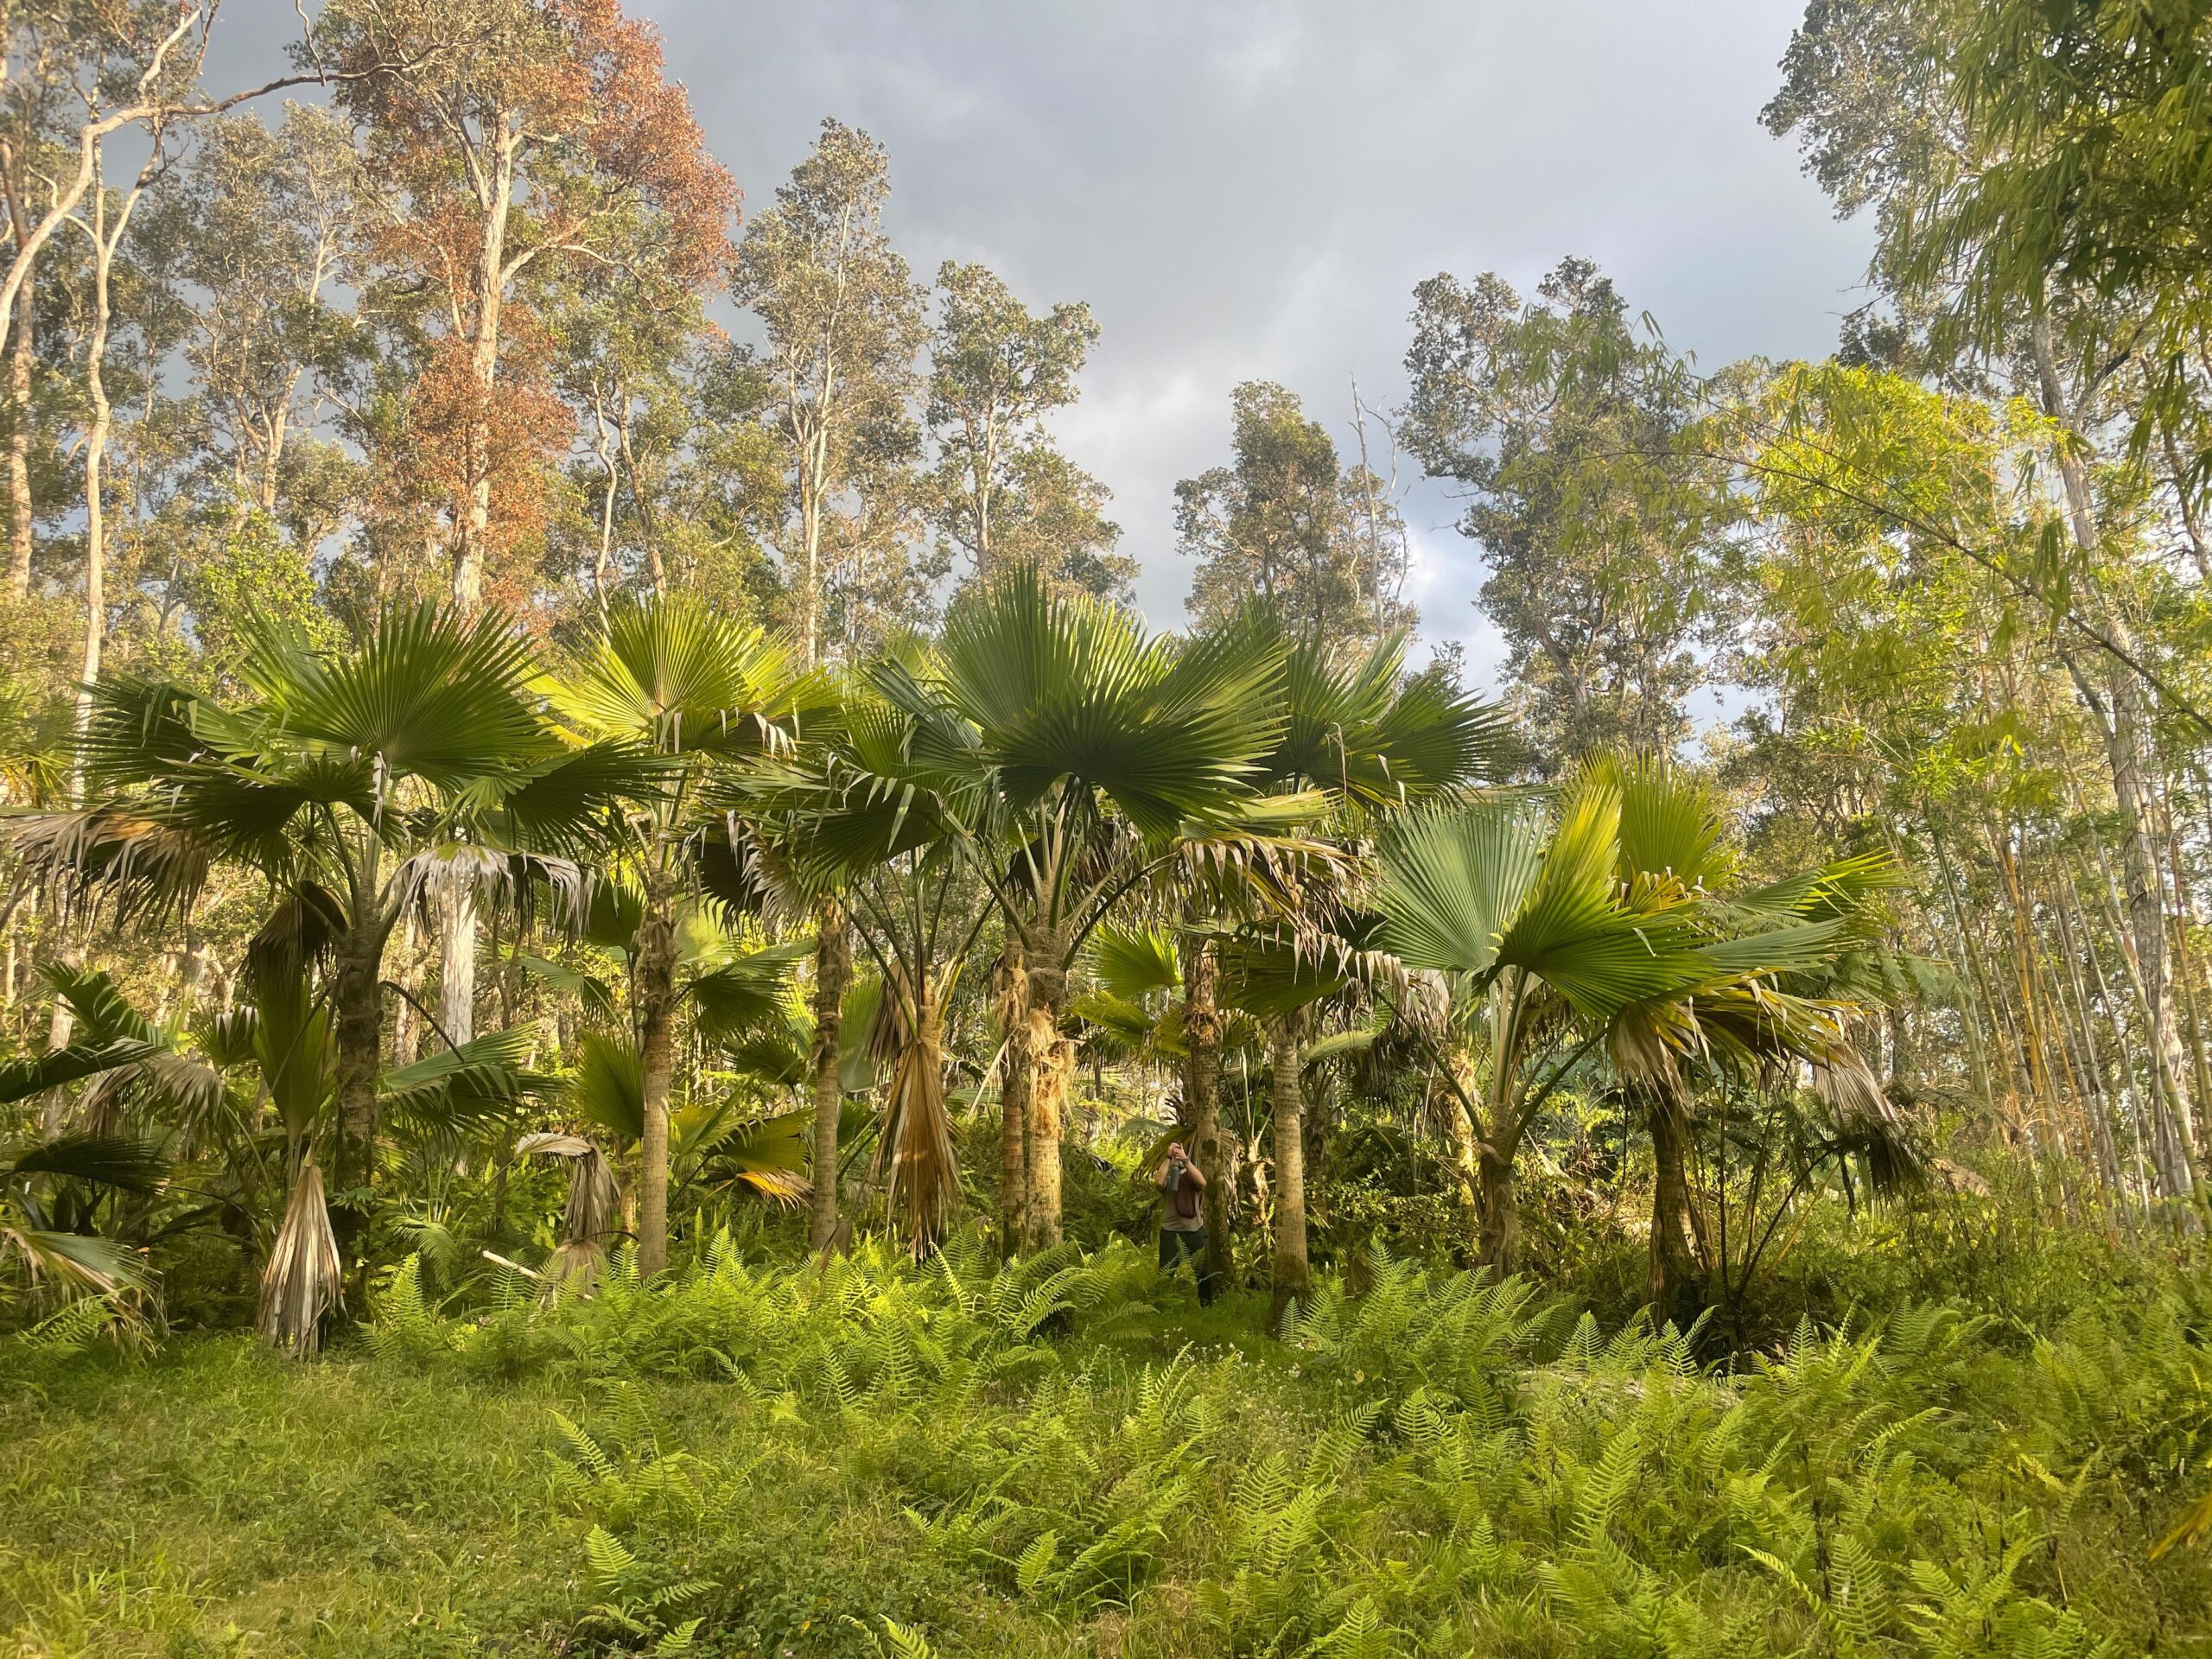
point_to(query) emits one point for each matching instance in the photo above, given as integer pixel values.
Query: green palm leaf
(674, 674)
(750, 992)
(428, 693)
(481, 1079)
(105, 1160)
(1070, 688)
(1133, 960)
(608, 1088)
(34, 1074)
(1452, 879)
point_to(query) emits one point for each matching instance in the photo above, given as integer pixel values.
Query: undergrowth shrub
(1439, 1464)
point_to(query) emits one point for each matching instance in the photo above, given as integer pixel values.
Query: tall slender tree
(843, 320)
(996, 370)
(1556, 422)
(1283, 520)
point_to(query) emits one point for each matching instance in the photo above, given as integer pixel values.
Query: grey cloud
(1246, 190)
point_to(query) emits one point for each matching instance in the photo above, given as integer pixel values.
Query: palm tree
(1520, 909)
(1590, 922)
(1282, 974)
(360, 782)
(698, 690)
(1078, 747)
(859, 810)
(1368, 743)
(1763, 1004)
(180, 1090)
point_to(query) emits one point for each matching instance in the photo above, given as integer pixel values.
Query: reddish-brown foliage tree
(540, 137)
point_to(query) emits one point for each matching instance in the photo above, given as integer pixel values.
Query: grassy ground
(772, 1463)
(221, 1500)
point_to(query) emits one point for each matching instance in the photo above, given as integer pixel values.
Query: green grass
(1071, 1459)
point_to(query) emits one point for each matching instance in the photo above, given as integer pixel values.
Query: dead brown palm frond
(915, 1156)
(151, 867)
(304, 1279)
(1262, 861)
(1866, 1119)
(589, 1221)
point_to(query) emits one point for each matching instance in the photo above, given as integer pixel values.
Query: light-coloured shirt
(1169, 1221)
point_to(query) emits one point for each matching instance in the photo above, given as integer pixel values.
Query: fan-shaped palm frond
(1357, 729)
(304, 1279)
(767, 1155)
(128, 1165)
(746, 991)
(608, 1088)
(674, 673)
(590, 989)
(482, 1080)
(1134, 960)
(1058, 688)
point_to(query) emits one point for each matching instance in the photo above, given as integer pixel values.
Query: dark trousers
(1173, 1247)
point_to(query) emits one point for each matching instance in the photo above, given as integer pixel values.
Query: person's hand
(1175, 1152)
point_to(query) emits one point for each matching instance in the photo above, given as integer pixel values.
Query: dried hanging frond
(304, 1279)
(914, 1155)
(1868, 1120)
(589, 1221)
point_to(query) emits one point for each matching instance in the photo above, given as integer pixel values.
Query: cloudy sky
(1250, 191)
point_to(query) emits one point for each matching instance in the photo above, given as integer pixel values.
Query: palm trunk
(1202, 1094)
(833, 971)
(1017, 1074)
(1292, 1279)
(655, 969)
(1674, 1263)
(1459, 1135)
(1500, 1238)
(359, 1031)
(1051, 1058)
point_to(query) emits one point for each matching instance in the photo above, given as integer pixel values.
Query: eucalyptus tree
(270, 221)
(1282, 520)
(843, 319)
(359, 781)
(1558, 423)
(698, 690)
(996, 370)
(2032, 189)
(504, 141)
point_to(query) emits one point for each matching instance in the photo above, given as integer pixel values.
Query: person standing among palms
(1183, 1216)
